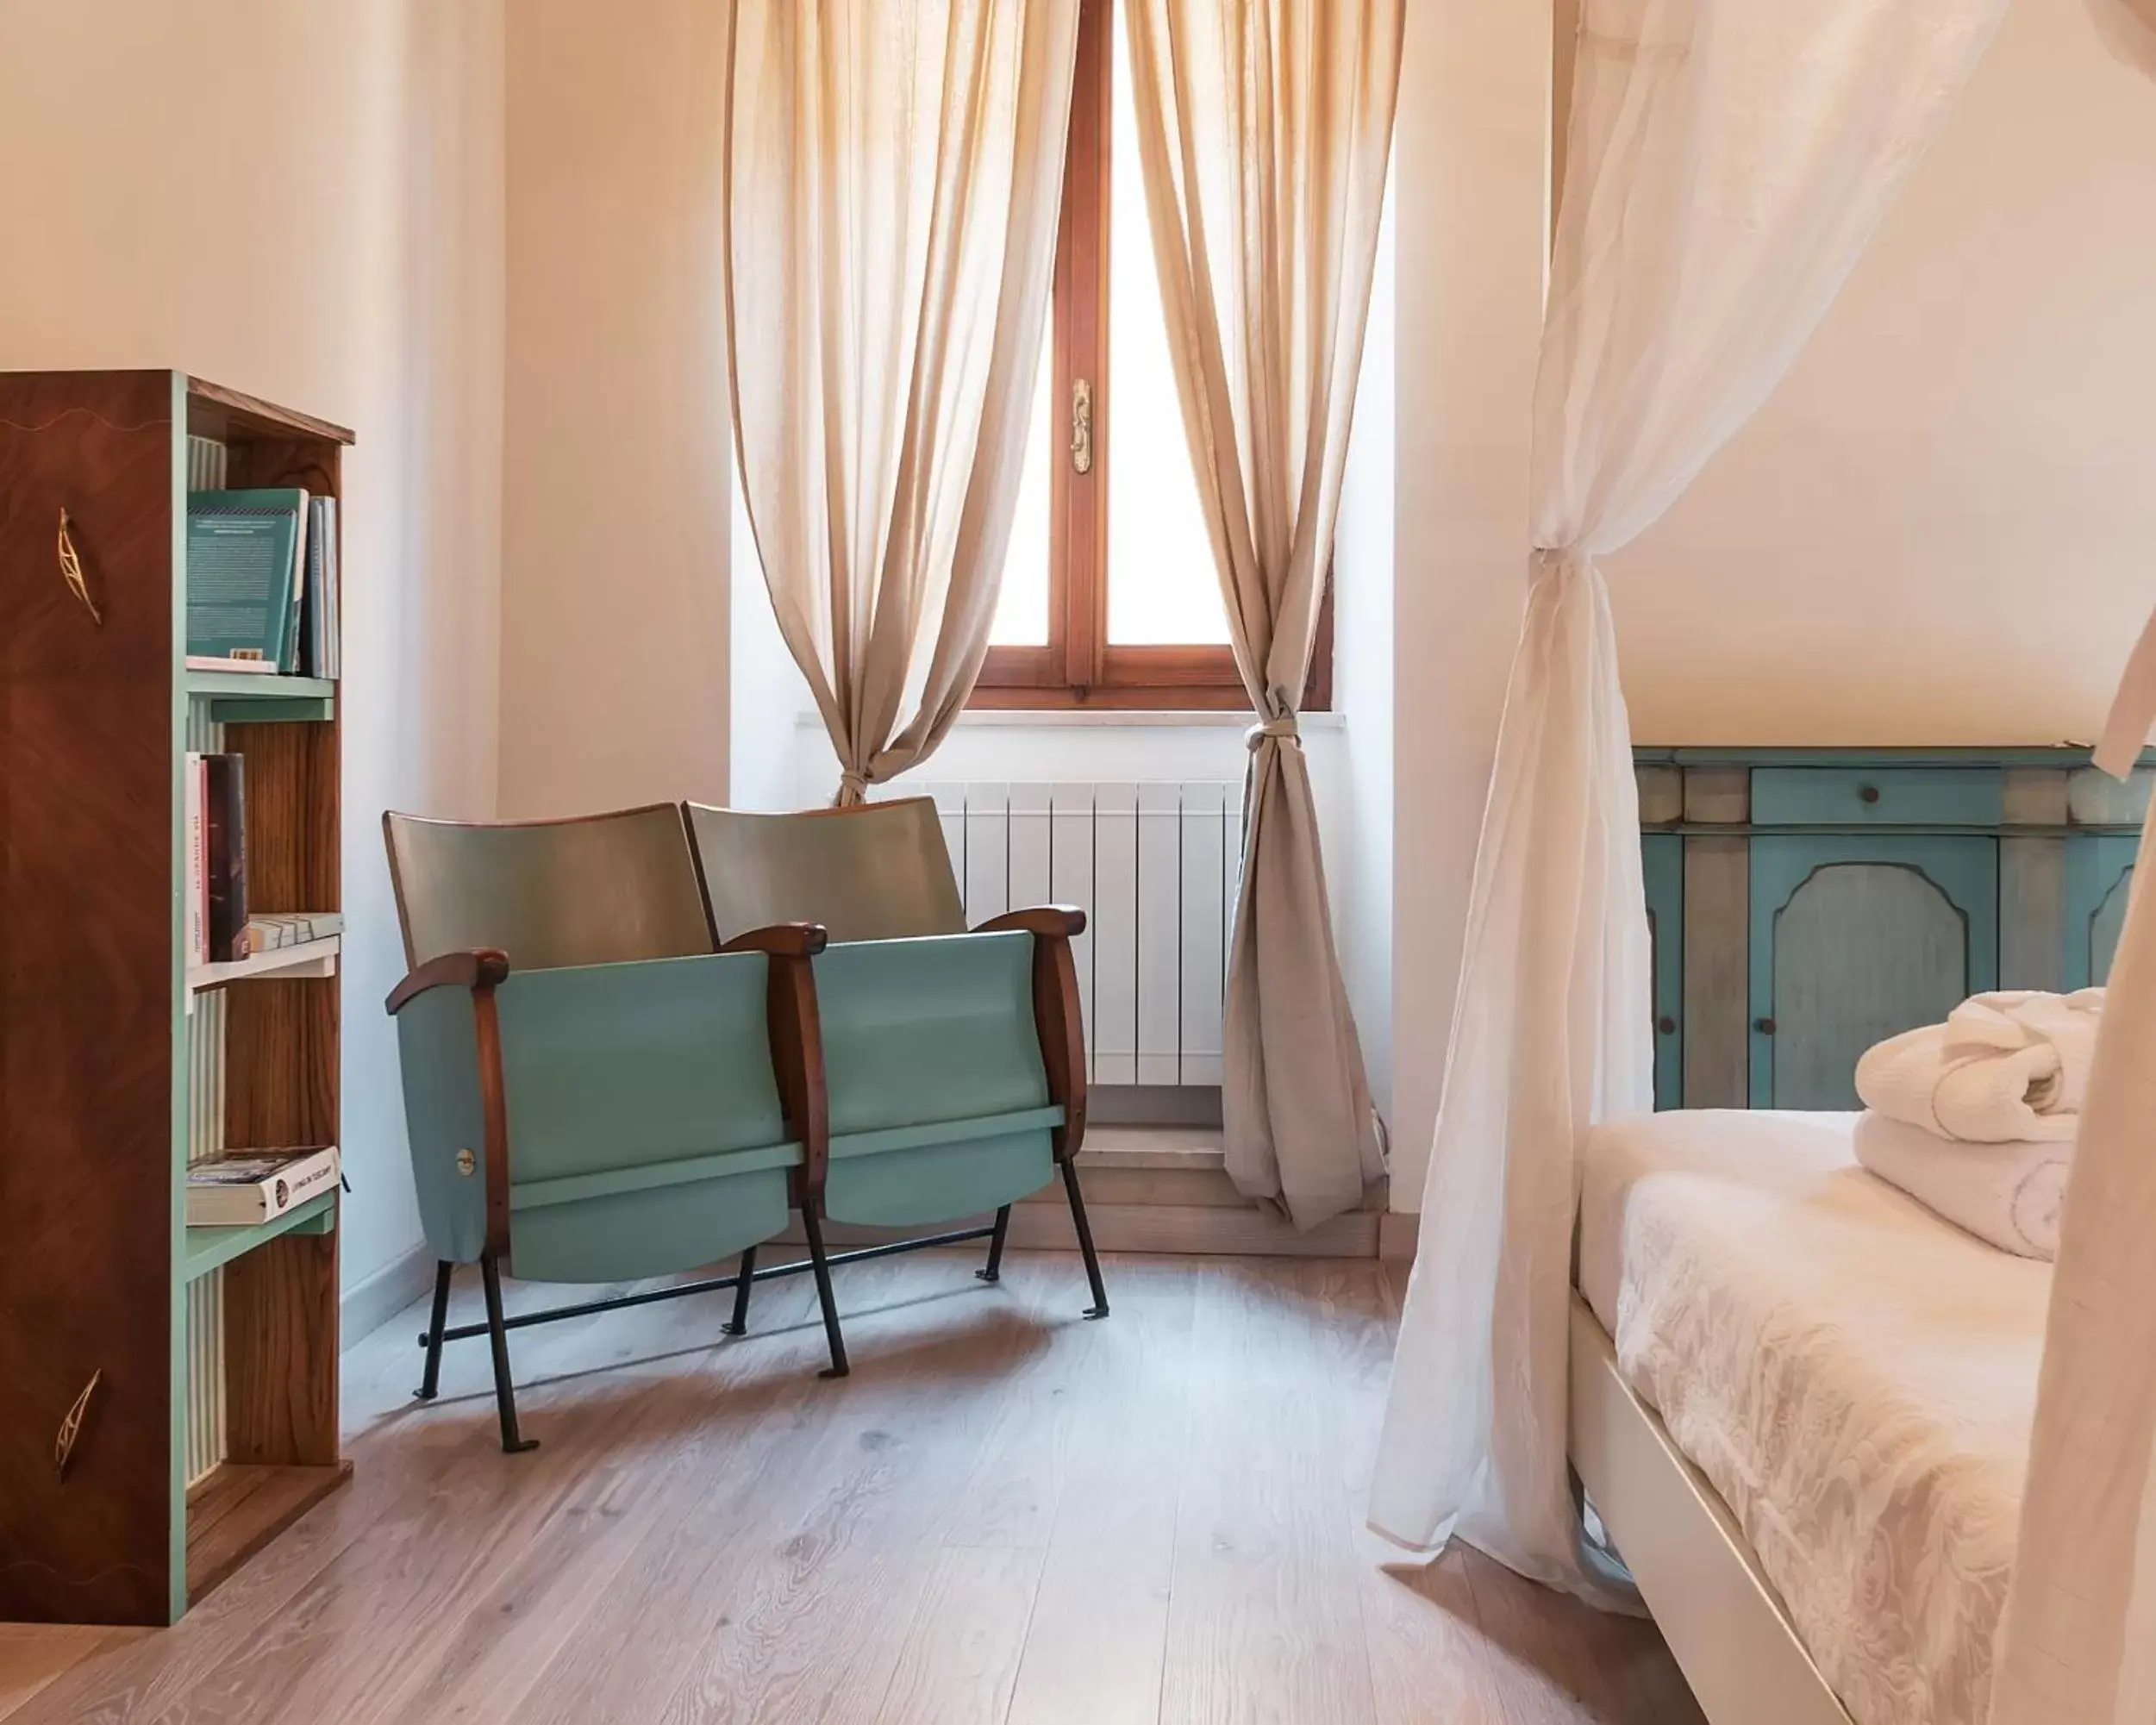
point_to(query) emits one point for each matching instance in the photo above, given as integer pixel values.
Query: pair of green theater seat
(640, 1042)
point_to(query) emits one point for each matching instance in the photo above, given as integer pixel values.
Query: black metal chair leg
(497, 1338)
(743, 1282)
(430, 1379)
(812, 1226)
(1099, 1308)
(994, 1270)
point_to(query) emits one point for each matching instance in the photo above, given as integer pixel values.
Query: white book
(244, 1187)
(256, 667)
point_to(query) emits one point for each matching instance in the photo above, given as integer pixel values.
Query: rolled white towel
(2003, 1066)
(2009, 1193)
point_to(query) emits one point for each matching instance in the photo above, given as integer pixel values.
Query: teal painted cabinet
(1662, 857)
(1804, 904)
(2099, 876)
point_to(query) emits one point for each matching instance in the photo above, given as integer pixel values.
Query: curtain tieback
(853, 786)
(1283, 729)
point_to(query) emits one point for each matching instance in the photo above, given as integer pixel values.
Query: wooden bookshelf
(212, 1423)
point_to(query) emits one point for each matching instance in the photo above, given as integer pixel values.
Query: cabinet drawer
(1892, 797)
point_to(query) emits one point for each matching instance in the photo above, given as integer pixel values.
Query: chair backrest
(597, 889)
(876, 871)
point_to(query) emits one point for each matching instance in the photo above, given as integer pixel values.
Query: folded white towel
(2009, 1193)
(2013, 1021)
(2002, 1067)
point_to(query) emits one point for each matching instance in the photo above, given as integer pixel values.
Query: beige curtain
(1264, 128)
(891, 181)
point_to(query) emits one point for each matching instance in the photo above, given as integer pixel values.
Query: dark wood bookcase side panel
(86, 994)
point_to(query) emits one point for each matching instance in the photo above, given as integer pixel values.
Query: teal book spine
(244, 574)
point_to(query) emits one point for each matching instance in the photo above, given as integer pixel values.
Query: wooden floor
(1005, 1514)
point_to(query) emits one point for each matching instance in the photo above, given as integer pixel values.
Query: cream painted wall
(618, 459)
(1941, 528)
(1469, 158)
(302, 202)
(1944, 522)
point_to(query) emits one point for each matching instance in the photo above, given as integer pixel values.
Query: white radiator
(1154, 868)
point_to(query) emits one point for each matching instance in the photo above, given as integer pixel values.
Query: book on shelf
(245, 578)
(194, 895)
(318, 646)
(225, 857)
(242, 1187)
(273, 931)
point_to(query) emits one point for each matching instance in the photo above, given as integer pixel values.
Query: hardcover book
(243, 1187)
(224, 819)
(245, 552)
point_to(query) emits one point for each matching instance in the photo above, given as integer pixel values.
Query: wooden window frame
(1079, 667)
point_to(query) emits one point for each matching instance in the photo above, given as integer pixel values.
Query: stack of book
(242, 1187)
(272, 931)
(262, 582)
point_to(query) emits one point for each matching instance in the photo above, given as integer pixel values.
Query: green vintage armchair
(953, 1059)
(594, 1091)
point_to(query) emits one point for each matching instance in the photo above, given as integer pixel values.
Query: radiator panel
(1154, 866)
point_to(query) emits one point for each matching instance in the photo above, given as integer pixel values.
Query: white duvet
(1855, 1377)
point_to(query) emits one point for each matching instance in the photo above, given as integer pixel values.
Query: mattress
(1854, 1376)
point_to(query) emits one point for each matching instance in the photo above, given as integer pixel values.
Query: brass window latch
(1081, 426)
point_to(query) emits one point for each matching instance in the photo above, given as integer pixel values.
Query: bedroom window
(1110, 597)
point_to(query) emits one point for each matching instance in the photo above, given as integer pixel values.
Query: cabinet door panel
(2099, 877)
(1662, 861)
(1855, 939)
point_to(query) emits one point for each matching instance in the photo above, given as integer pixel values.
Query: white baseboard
(374, 1302)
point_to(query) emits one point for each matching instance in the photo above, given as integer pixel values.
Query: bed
(1801, 1405)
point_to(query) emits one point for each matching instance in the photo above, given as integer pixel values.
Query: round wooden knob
(1764, 1026)
(1868, 793)
(1666, 1027)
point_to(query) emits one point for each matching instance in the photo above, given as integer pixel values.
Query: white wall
(302, 202)
(618, 460)
(1470, 156)
(1359, 854)
(1941, 529)
(1943, 522)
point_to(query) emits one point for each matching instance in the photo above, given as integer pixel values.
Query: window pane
(1021, 608)
(1162, 587)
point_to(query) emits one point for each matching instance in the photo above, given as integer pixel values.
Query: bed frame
(1715, 1607)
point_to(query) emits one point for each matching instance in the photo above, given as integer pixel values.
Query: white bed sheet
(1855, 1377)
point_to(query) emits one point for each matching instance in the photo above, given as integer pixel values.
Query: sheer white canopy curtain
(1728, 161)
(892, 183)
(1265, 129)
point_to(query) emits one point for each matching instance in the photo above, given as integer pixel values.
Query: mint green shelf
(208, 1247)
(241, 697)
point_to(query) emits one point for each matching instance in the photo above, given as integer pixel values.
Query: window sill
(1105, 718)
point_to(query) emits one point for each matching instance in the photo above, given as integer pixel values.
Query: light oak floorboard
(1006, 1516)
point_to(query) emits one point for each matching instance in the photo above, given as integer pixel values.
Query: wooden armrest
(1066, 920)
(481, 967)
(782, 940)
